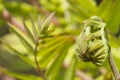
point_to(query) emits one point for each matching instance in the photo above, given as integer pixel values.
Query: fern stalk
(36, 61)
(113, 67)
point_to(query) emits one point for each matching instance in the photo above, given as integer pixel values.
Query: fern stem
(113, 67)
(36, 62)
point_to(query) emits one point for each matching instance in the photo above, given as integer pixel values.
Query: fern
(48, 47)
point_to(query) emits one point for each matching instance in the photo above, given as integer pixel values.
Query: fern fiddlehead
(92, 44)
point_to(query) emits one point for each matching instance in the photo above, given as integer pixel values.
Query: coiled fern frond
(92, 44)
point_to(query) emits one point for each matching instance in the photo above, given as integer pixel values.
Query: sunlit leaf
(50, 45)
(45, 23)
(54, 69)
(78, 11)
(109, 11)
(24, 42)
(29, 33)
(52, 52)
(34, 28)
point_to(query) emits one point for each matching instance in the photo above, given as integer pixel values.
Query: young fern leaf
(47, 59)
(50, 53)
(53, 70)
(38, 32)
(96, 48)
(35, 30)
(29, 33)
(50, 46)
(45, 23)
(27, 45)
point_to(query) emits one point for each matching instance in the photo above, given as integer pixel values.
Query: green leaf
(39, 23)
(22, 56)
(45, 23)
(50, 45)
(24, 42)
(35, 30)
(47, 51)
(20, 76)
(109, 11)
(57, 63)
(78, 11)
(29, 32)
(69, 75)
(52, 52)
(45, 60)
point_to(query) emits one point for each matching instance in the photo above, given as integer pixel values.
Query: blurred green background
(68, 18)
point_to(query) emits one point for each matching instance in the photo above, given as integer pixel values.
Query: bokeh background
(68, 18)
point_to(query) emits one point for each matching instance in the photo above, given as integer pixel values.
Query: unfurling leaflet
(92, 44)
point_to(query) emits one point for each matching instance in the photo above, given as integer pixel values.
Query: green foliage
(20, 76)
(92, 44)
(51, 37)
(19, 54)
